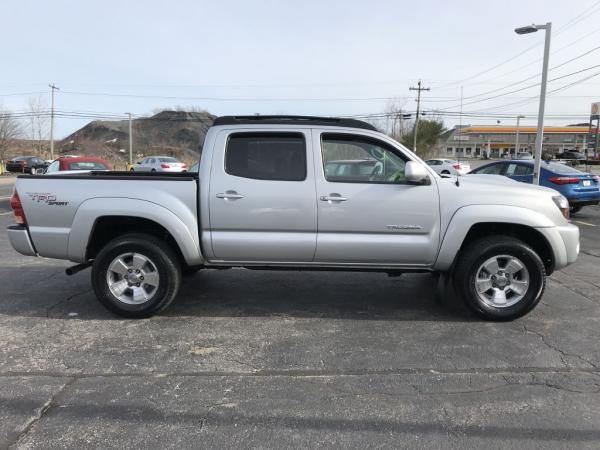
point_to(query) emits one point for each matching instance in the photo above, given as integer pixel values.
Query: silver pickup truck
(276, 192)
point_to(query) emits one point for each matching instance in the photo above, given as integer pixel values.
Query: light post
(519, 117)
(540, 128)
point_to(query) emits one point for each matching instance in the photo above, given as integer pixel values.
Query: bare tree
(39, 124)
(10, 129)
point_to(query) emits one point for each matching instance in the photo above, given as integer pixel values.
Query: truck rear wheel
(500, 278)
(136, 275)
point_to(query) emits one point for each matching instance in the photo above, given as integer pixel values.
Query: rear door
(262, 196)
(372, 216)
(520, 172)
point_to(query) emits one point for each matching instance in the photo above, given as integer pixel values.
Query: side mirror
(415, 173)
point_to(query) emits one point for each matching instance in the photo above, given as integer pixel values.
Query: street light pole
(519, 117)
(130, 141)
(539, 138)
(53, 88)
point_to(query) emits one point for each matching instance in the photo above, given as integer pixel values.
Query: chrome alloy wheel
(501, 281)
(132, 278)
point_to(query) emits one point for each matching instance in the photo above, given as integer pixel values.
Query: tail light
(17, 207)
(184, 166)
(457, 166)
(165, 166)
(564, 180)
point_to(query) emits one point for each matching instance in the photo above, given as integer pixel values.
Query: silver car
(448, 166)
(159, 164)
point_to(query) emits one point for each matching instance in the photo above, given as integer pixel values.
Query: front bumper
(20, 240)
(564, 241)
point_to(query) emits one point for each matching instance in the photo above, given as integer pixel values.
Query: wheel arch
(97, 221)
(471, 223)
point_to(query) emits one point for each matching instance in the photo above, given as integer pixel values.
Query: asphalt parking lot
(285, 359)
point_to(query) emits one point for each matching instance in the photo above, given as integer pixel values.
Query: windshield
(168, 160)
(561, 169)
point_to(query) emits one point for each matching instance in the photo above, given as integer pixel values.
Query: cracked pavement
(285, 359)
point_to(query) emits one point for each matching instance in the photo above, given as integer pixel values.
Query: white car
(449, 166)
(159, 164)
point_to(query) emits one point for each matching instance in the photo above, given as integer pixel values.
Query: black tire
(475, 254)
(132, 170)
(153, 170)
(163, 258)
(574, 209)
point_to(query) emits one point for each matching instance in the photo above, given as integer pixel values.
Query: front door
(262, 197)
(367, 212)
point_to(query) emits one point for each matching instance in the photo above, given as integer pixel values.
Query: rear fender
(91, 210)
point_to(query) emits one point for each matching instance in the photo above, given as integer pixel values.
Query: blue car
(580, 188)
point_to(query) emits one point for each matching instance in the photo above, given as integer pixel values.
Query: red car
(78, 164)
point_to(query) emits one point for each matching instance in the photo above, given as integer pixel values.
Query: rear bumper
(581, 198)
(564, 241)
(20, 240)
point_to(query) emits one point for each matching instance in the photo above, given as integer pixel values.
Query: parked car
(159, 164)
(449, 166)
(263, 198)
(26, 164)
(580, 188)
(77, 165)
(524, 156)
(571, 155)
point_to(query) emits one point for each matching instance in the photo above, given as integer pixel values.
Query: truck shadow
(340, 295)
(249, 293)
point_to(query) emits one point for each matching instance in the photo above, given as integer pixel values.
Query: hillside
(176, 133)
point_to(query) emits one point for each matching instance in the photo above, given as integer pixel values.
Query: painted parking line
(5, 198)
(5, 213)
(584, 223)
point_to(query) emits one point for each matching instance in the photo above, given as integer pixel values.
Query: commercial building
(497, 141)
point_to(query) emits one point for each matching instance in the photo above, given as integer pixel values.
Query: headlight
(563, 205)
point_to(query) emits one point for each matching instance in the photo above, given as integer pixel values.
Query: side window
(53, 167)
(150, 161)
(266, 156)
(492, 169)
(359, 159)
(523, 169)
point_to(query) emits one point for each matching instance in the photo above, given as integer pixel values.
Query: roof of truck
(293, 120)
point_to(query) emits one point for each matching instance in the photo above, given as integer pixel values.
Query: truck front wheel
(499, 277)
(136, 275)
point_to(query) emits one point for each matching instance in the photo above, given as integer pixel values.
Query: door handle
(333, 198)
(230, 195)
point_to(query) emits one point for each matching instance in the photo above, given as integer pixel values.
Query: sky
(343, 57)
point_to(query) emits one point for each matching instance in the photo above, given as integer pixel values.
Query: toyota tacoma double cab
(305, 193)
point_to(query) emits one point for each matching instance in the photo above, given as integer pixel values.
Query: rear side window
(87, 165)
(519, 170)
(492, 169)
(266, 156)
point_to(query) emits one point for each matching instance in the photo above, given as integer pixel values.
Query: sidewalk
(7, 179)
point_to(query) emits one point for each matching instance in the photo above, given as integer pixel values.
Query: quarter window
(266, 156)
(358, 159)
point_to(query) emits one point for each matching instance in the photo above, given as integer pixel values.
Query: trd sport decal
(48, 199)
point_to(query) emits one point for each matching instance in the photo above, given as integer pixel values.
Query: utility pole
(401, 125)
(130, 141)
(519, 117)
(419, 88)
(52, 88)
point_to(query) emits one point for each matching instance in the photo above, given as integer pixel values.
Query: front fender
(464, 218)
(91, 210)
